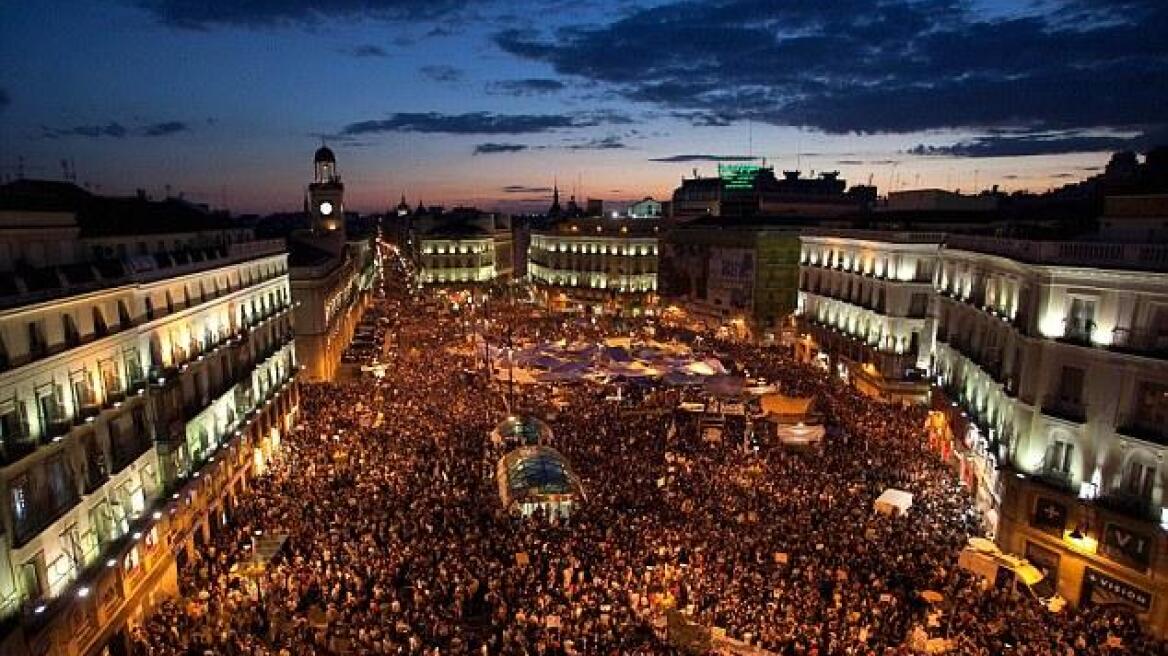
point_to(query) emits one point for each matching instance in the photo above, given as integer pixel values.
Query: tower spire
(554, 211)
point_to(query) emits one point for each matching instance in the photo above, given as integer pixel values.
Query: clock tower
(326, 195)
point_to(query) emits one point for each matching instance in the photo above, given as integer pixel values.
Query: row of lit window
(461, 249)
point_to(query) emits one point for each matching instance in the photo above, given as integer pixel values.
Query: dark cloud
(1039, 143)
(598, 116)
(898, 66)
(850, 162)
(116, 130)
(478, 123)
(606, 143)
(703, 119)
(165, 128)
(367, 50)
(4, 99)
(264, 13)
(527, 87)
(441, 73)
(704, 158)
(523, 189)
(111, 129)
(495, 148)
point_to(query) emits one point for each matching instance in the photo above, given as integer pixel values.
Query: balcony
(1077, 331)
(16, 442)
(95, 472)
(1152, 343)
(1066, 409)
(890, 365)
(1134, 256)
(1054, 477)
(1021, 323)
(161, 376)
(915, 312)
(1144, 428)
(114, 395)
(87, 404)
(56, 427)
(1128, 503)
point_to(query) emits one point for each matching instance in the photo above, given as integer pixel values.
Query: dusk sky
(485, 103)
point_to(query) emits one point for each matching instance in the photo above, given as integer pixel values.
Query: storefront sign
(1050, 516)
(1127, 547)
(1102, 590)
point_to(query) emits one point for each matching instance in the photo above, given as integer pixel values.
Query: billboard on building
(731, 278)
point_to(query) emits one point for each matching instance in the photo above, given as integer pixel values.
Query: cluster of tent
(614, 359)
(620, 359)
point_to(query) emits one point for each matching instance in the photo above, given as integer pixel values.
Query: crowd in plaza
(397, 542)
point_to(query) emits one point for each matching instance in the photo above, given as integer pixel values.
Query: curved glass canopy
(536, 475)
(523, 431)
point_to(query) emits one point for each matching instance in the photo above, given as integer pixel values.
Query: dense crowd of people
(397, 543)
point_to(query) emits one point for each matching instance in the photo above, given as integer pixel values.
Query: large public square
(572, 328)
(390, 537)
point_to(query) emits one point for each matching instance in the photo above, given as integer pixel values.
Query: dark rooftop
(100, 216)
(457, 229)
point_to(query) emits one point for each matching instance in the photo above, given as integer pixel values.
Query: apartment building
(596, 265)
(864, 307)
(1052, 363)
(146, 371)
(1046, 365)
(464, 246)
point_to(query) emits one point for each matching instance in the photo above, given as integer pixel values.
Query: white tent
(800, 434)
(894, 502)
(700, 369)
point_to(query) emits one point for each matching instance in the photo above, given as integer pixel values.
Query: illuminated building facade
(864, 304)
(146, 371)
(646, 208)
(462, 247)
(1050, 386)
(1053, 358)
(597, 265)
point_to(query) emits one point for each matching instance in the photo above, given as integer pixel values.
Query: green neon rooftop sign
(738, 176)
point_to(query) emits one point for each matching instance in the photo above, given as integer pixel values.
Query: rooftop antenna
(20, 167)
(976, 175)
(750, 137)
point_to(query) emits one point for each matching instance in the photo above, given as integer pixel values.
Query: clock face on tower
(326, 208)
